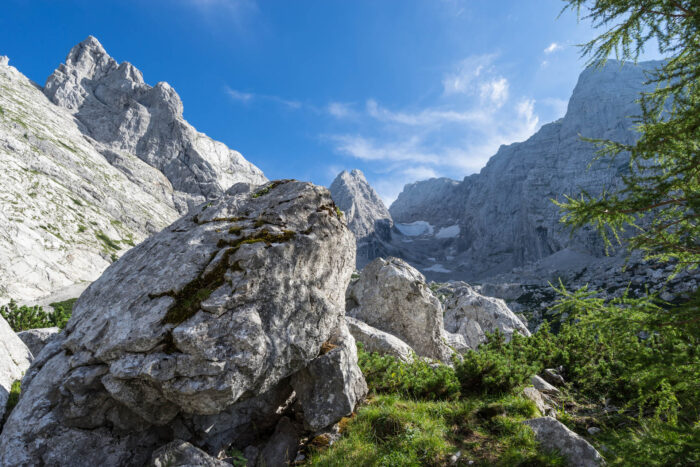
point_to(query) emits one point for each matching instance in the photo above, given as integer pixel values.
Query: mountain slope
(66, 211)
(127, 116)
(504, 214)
(366, 214)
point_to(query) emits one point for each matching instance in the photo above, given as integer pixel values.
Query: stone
(4, 60)
(456, 342)
(473, 315)
(330, 387)
(221, 306)
(593, 430)
(182, 454)
(36, 339)
(543, 386)
(366, 214)
(15, 359)
(536, 396)
(552, 376)
(554, 435)
(282, 447)
(375, 341)
(392, 296)
(125, 115)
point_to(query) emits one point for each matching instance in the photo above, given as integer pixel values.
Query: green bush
(22, 318)
(418, 379)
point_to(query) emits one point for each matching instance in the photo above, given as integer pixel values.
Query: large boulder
(15, 359)
(220, 307)
(36, 339)
(392, 296)
(473, 315)
(554, 435)
(332, 384)
(375, 341)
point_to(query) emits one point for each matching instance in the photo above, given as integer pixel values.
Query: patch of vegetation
(113, 257)
(23, 318)
(77, 201)
(81, 228)
(189, 299)
(106, 241)
(266, 189)
(12, 398)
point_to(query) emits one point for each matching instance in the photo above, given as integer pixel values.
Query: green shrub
(22, 318)
(493, 369)
(418, 379)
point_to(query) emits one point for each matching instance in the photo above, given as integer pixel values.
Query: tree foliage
(658, 208)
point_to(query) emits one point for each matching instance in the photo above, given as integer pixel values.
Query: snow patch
(448, 232)
(437, 268)
(415, 229)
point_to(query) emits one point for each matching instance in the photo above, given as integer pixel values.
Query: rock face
(84, 180)
(368, 218)
(127, 116)
(332, 384)
(15, 359)
(503, 216)
(374, 340)
(65, 212)
(220, 308)
(473, 315)
(554, 435)
(393, 297)
(36, 339)
(183, 454)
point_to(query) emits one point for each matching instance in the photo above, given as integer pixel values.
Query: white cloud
(238, 95)
(553, 47)
(247, 97)
(339, 109)
(495, 90)
(470, 70)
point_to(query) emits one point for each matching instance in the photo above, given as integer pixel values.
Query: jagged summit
(123, 115)
(366, 214)
(504, 215)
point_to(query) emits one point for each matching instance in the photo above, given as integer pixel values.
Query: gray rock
(126, 115)
(543, 386)
(457, 342)
(36, 339)
(472, 315)
(367, 216)
(15, 359)
(4, 60)
(504, 214)
(282, 447)
(392, 296)
(554, 435)
(67, 213)
(221, 306)
(593, 430)
(378, 341)
(182, 454)
(552, 376)
(536, 396)
(331, 385)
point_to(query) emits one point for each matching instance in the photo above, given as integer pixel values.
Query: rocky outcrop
(504, 216)
(392, 296)
(219, 308)
(473, 315)
(554, 435)
(375, 341)
(15, 359)
(126, 116)
(65, 212)
(330, 387)
(367, 216)
(36, 339)
(182, 454)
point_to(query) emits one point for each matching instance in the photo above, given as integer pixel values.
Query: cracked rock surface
(216, 310)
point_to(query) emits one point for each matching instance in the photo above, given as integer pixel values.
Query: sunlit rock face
(504, 215)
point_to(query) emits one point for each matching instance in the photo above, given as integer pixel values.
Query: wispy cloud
(553, 47)
(340, 110)
(453, 137)
(247, 97)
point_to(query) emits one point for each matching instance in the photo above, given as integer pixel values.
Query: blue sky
(402, 89)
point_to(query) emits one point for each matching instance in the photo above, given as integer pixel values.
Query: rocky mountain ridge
(94, 163)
